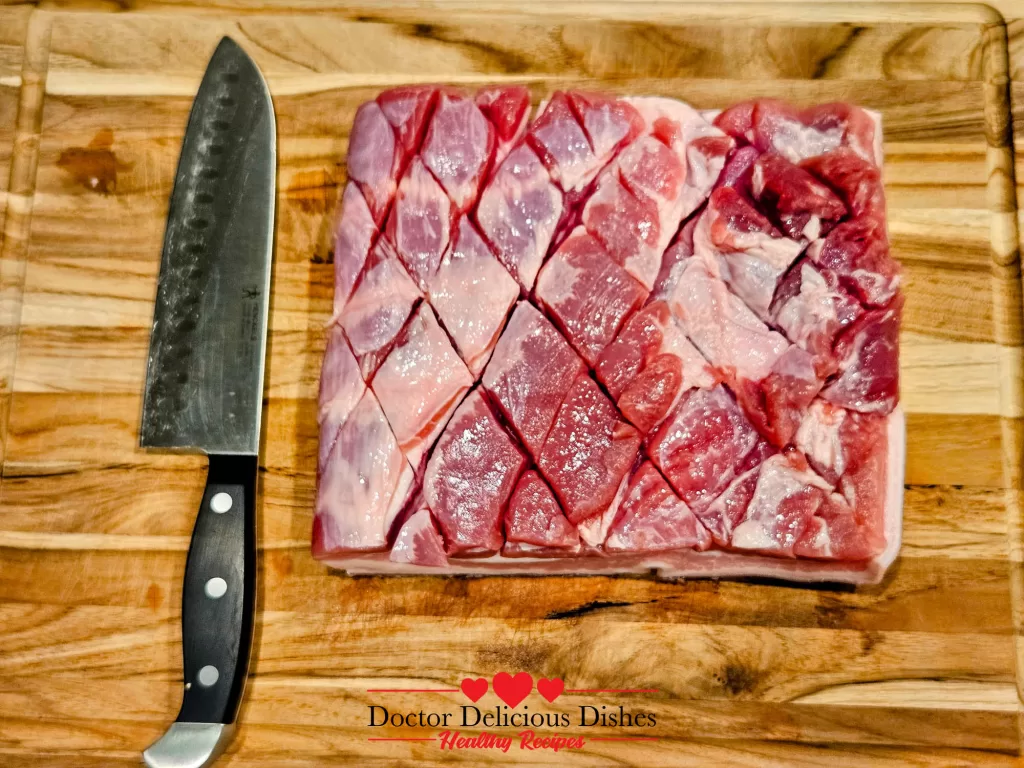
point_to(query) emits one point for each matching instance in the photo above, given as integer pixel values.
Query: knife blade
(204, 383)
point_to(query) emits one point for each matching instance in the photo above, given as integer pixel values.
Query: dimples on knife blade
(205, 376)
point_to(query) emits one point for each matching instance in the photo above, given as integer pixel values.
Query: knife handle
(219, 595)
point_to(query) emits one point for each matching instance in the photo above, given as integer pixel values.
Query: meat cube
(812, 310)
(703, 146)
(858, 181)
(649, 366)
(701, 447)
(362, 485)
(378, 308)
(420, 384)
(787, 496)
(727, 511)
(800, 134)
(535, 518)
(705, 160)
(419, 542)
(627, 226)
(420, 224)
(672, 121)
(652, 518)
(518, 213)
(651, 169)
(639, 342)
(595, 529)
(847, 449)
(472, 294)
(776, 405)
(738, 122)
(654, 174)
(407, 109)
(774, 380)
(529, 374)
(587, 294)
(868, 354)
(609, 123)
(738, 171)
(588, 451)
(819, 439)
(458, 149)
(655, 182)
(722, 327)
(857, 253)
(354, 236)
(804, 207)
(752, 256)
(864, 485)
(673, 261)
(508, 109)
(561, 143)
(374, 158)
(470, 477)
(341, 388)
(835, 533)
(836, 440)
(859, 128)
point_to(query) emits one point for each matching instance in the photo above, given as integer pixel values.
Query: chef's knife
(204, 383)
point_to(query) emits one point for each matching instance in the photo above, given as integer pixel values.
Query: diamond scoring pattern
(675, 387)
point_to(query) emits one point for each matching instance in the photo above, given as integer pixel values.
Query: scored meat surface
(621, 336)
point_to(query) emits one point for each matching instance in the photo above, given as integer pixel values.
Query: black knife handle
(219, 597)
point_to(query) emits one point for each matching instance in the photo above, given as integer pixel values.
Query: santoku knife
(204, 383)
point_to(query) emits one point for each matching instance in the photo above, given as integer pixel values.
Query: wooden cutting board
(93, 532)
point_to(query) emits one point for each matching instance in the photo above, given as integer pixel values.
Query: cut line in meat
(627, 336)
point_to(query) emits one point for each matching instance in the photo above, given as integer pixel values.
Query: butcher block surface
(920, 669)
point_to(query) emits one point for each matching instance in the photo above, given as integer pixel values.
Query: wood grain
(920, 670)
(21, 95)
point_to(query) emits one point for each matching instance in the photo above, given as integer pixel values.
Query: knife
(204, 383)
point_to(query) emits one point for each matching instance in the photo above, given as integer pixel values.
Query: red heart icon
(512, 690)
(550, 689)
(474, 689)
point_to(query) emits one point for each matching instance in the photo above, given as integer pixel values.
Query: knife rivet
(221, 502)
(216, 588)
(208, 676)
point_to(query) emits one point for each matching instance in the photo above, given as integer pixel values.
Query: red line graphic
(624, 738)
(432, 738)
(611, 690)
(412, 690)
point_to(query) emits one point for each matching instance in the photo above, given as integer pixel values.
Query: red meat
(529, 375)
(587, 294)
(625, 336)
(470, 477)
(588, 451)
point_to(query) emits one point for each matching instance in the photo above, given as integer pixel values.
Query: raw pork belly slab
(611, 335)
